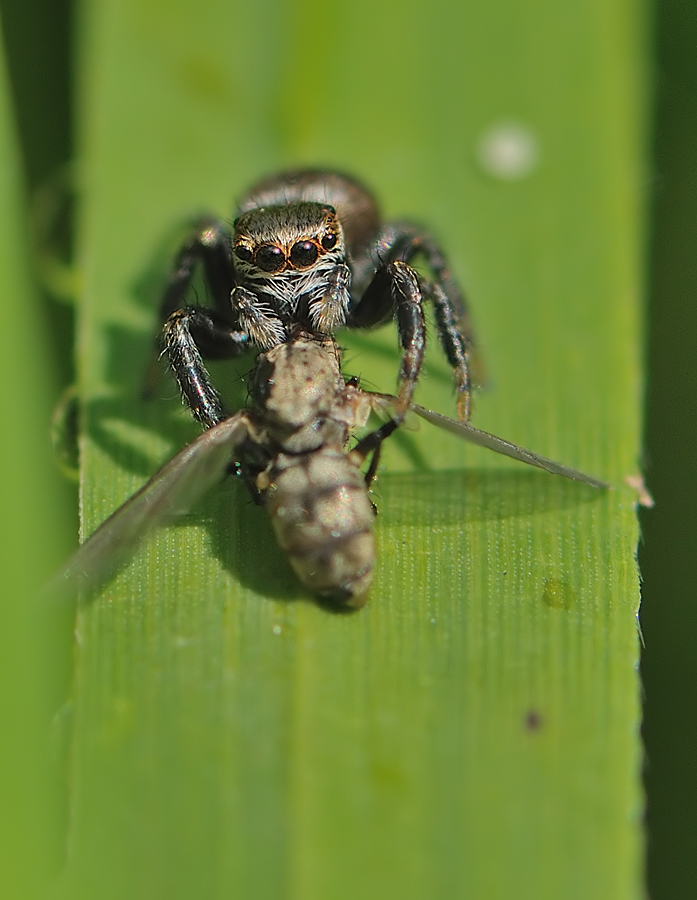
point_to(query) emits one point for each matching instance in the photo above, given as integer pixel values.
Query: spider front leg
(188, 332)
(400, 243)
(208, 246)
(411, 327)
(395, 289)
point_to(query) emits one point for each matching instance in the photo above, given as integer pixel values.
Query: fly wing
(170, 492)
(383, 404)
(499, 445)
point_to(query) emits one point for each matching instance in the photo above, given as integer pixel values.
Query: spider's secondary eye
(270, 258)
(243, 253)
(303, 253)
(329, 241)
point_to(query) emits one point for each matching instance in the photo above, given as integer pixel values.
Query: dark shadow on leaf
(444, 498)
(241, 536)
(104, 417)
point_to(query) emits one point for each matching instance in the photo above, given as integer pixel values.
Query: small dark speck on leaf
(533, 720)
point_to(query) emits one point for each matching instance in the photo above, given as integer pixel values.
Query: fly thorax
(296, 388)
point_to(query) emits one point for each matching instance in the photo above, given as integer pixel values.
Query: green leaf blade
(473, 731)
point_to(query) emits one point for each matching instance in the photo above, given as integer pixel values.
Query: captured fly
(307, 255)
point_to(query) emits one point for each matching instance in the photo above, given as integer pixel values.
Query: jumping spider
(308, 254)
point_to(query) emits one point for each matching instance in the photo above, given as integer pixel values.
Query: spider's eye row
(329, 241)
(303, 254)
(243, 253)
(270, 258)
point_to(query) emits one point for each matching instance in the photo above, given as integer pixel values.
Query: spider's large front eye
(270, 258)
(303, 254)
(243, 253)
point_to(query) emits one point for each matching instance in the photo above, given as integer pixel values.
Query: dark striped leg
(403, 243)
(209, 246)
(451, 313)
(186, 332)
(395, 290)
(456, 346)
(411, 326)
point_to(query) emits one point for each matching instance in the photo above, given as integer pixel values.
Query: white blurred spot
(508, 150)
(277, 629)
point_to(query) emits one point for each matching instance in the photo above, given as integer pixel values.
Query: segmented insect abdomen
(323, 519)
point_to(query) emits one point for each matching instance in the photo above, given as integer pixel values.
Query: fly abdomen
(323, 519)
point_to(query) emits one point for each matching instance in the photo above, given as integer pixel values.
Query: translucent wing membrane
(499, 445)
(170, 492)
(384, 406)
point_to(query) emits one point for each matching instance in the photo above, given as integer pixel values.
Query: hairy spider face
(286, 240)
(290, 253)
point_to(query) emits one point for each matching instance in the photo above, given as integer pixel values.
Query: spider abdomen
(323, 520)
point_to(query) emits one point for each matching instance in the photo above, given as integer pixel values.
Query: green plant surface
(474, 730)
(31, 542)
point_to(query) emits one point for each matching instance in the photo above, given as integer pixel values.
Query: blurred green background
(38, 37)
